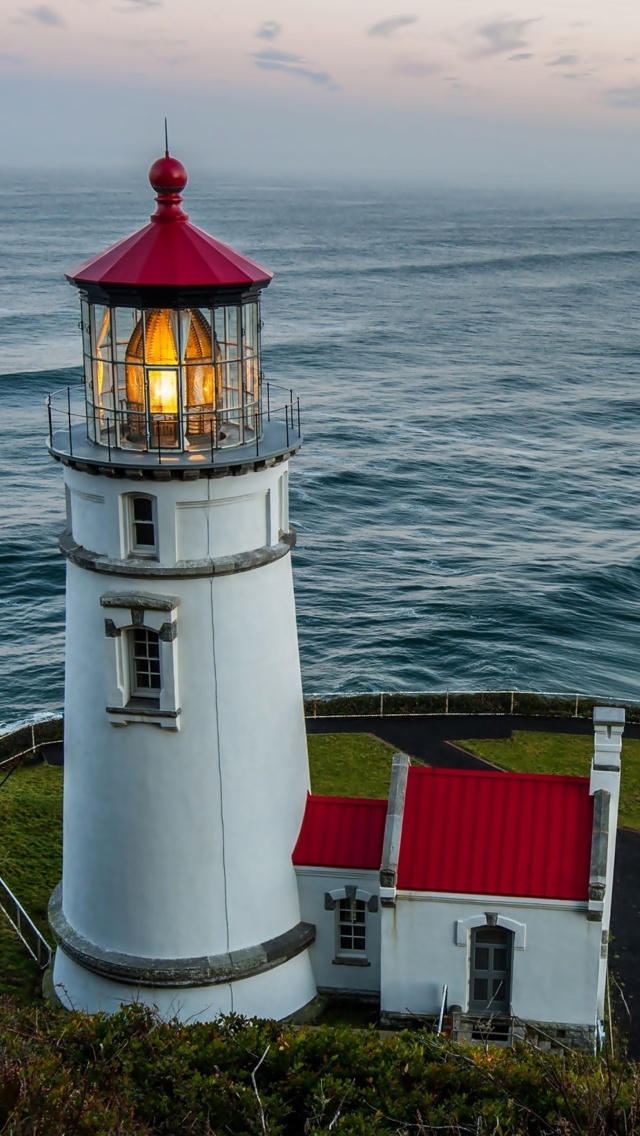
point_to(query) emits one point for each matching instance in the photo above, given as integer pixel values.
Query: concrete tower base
(277, 993)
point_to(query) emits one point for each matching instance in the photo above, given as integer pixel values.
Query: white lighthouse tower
(186, 767)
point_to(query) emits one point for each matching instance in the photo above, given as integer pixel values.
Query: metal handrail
(445, 991)
(24, 927)
(134, 430)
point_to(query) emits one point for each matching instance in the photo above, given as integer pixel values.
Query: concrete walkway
(432, 740)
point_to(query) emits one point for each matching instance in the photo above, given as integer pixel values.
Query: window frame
(355, 896)
(126, 700)
(132, 548)
(348, 927)
(152, 694)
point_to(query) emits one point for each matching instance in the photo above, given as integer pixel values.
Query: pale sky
(536, 91)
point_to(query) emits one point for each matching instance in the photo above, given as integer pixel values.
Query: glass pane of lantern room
(125, 321)
(101, 331)
(226, 332)
(85, 319)
(101, 349)
(250, 351)
(250, 328)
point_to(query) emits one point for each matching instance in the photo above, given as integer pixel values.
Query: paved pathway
(429, 739)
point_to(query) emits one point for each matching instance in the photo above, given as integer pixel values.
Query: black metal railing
(200, 429)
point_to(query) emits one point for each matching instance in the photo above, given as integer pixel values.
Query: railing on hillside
(493, 703)
(21, 740)
(24, 927)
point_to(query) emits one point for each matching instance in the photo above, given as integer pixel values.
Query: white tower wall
(178, 831)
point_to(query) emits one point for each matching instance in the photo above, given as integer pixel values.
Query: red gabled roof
(515, 834)
(341, 832)
(170, 252)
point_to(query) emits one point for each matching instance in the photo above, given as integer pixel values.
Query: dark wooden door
(491, 949)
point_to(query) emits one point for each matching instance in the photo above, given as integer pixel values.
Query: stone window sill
(344, 960)
(146, 715)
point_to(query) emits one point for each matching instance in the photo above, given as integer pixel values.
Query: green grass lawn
(566, 754)
(349, 765)
(30, 863)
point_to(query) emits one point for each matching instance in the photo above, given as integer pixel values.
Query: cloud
(273, 55)
(140, 5)
(520, 57)
(563, 61)
(501, 37)
(415, 68)
(290, 64)
(45, 15)
(270, 29)
(625, 97)
(388, 28)
(576, 75)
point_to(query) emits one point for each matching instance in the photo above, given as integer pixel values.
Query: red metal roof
(496, 833)
(341, 832)
(170, 252)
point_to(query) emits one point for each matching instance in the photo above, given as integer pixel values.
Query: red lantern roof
(170, 252)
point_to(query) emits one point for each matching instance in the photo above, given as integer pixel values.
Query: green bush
(17, 741)
(482, 702)
(360, 705)
(132, 1074)
(399, 703)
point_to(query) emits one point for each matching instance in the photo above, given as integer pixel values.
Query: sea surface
(468, 495)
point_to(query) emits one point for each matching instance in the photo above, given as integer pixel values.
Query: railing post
(513, 696)
(577, 702)
(446, 704)
(69, 420)
(299, 431)
(286, 418)
(49, 416)
(268, 403)
(381, 704)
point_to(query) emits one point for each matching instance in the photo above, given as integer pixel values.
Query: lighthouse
(186, 768)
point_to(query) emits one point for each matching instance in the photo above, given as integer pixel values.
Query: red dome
(168, 174)
(169, 252)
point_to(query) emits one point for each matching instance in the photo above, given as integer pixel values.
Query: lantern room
(171, 334)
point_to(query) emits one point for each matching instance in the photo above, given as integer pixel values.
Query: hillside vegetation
(132, 1074)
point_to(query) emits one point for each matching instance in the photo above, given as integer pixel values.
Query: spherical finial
(168, 175)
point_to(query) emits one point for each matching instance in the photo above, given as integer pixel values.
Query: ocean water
(468, 495)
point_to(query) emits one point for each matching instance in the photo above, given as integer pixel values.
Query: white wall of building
(177, 843)
(313, 884)
(554, 978)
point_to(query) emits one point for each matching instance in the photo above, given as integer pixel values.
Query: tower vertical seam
(215, 680)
